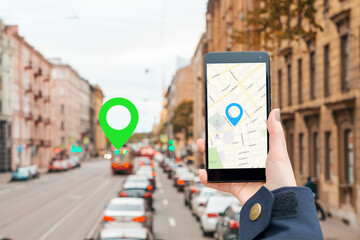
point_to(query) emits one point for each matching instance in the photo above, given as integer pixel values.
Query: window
(62, 125)
(300, 81)
(312, 76)
(301, 151)
(328, 157)
(316, 156)
(62, 91)
(289, 80)
(291, 148)
(349, 157)
(62, 140)
(280, 87)
(327, 70)
(345, 82)
(62, 108)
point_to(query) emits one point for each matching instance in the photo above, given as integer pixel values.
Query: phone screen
(237, 115)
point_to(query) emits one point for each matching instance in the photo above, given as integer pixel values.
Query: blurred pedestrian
(313, 187)
(277, 209)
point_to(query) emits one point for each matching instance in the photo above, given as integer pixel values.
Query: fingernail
(277, 114)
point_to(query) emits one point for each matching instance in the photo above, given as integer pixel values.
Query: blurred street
(69, 205)
(57, 206)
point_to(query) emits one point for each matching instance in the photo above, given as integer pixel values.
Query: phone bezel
(236, 174)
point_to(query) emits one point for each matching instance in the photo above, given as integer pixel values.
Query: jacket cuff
(249, 229)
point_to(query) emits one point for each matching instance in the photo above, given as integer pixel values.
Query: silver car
(128, 210)
(198, 202)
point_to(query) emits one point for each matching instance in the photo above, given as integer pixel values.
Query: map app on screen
(237, 115)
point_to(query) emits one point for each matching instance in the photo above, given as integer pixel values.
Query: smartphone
(237, 105)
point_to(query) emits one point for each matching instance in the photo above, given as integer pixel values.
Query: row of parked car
(217, 212)
(59, 165)
(130, 214)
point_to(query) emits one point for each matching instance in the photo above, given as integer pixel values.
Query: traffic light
(117, 152)
(73, 149)
(171, 146)
(79, 149)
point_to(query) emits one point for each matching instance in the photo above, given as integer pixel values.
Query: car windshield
(135, 191)
(125, 207)
(137, 180)
(22, 170)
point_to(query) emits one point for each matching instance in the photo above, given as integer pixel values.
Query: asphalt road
(173, 220)
(69, 205)
(63, 205)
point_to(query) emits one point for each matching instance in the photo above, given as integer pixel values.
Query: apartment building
(31, 129)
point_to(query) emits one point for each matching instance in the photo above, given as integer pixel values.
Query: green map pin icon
(118, 137)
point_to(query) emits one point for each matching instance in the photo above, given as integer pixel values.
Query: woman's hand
(279, 172)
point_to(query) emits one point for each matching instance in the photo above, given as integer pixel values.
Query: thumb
(277, 139)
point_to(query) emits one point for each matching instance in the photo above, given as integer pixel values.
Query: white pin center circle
(118, 117)
(234, 111)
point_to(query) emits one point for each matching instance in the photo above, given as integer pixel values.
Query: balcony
(47, 143)
(29, 66)
(38, 73)
(28, 89)
(28, 116)
(29, 142)
(38, 94)
(38, 119)
(47, 99)
(47, 78)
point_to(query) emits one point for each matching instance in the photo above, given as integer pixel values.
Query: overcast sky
(112, 42)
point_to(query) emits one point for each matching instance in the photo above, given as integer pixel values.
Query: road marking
(72, 212)
(172, 222)
(161, 190)
(165, 202)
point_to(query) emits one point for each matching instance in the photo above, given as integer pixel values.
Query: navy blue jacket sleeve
(286, 213)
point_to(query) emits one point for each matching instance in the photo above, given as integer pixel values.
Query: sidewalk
(5, 177)
(335, 230)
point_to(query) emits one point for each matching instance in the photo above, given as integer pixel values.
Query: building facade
(32, 128)
(181, 89)
(67, 114)
(316, 84)
(97, 135)
(5, 100)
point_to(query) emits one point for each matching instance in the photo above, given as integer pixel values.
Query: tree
(182, 120)
(277, 20)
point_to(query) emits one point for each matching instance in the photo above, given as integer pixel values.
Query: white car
(34, 171)
(215, 205)
(128, 210)
(114, 230)
(199, 200)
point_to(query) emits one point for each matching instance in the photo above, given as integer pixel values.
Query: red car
(56, 166)
(121, 167)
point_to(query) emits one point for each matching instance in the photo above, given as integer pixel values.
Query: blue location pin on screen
(234, 120)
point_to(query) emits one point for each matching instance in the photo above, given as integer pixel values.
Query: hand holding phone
(278, 167)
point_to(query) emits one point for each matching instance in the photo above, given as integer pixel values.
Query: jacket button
(255, 211)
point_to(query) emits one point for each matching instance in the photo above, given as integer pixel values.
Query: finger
(277, 139)
(201, 144)
(203, 176)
